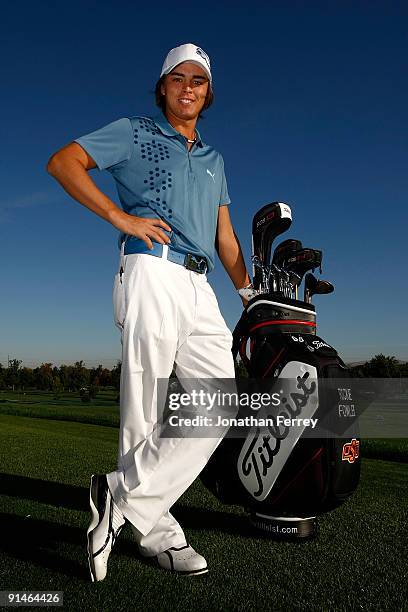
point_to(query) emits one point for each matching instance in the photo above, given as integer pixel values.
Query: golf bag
(284, 477)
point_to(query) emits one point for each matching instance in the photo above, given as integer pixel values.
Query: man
(174, 196)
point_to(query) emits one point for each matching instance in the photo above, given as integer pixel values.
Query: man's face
(185, 89)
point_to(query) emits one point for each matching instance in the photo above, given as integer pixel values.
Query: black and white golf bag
(284, 477)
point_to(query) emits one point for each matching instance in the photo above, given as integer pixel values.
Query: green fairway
(358, 562)
(102, 411)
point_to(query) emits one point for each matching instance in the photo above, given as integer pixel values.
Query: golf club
(284, 250)
(304, 260)
(313, 286)
(268, 223)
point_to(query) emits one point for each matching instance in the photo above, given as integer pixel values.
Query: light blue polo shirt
(157, 176)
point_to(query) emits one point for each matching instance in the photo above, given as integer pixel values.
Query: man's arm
(70, 166)
(229, 250)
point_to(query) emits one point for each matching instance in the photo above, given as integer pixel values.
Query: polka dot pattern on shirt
(159, 179)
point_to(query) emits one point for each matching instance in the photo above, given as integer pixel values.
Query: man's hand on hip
(146, 229)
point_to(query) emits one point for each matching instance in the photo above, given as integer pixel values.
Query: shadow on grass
(77, 498)
(39, 542)
(44, 491)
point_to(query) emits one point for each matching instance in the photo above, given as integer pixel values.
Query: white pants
(167, 314)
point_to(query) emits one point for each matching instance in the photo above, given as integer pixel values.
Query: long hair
(161, 100)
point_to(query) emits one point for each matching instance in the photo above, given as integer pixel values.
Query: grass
(103, 410)
(356, 563)
(392, 449)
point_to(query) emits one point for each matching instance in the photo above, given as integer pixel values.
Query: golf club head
(313, 286)
(304, 260)
(284, 250)
(324, 287)
(268, 223)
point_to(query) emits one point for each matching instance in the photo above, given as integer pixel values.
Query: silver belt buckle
(195, 263)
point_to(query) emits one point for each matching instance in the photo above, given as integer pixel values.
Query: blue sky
(310, 109)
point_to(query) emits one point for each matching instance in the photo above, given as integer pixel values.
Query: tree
(403, 370)
(13, 373)
(93, 391)
(43, 376)
(381, 366)
(116, 375)
(57, 388)
(26, 378)
(80, 375)
(65, 376)
(105, 379)
(95, 375)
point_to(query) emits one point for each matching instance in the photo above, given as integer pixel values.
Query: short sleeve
(110, 145)
(224, 196)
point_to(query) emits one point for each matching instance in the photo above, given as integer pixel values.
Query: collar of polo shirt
(166, 128)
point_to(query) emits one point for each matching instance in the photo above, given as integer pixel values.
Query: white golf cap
(186, 53)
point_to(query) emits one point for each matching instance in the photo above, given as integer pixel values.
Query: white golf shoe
(107, 522)
(184, 560)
